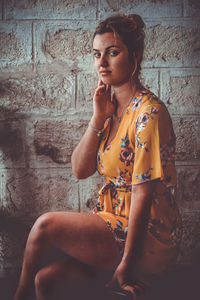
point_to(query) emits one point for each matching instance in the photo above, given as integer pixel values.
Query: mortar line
(33, 45)
(98, 9)
(159, 86)
(79, 202)
(75, 92)
(3, 10)
(182, 8)
(147, 20)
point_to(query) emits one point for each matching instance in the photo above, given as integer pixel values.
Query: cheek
(124, 67)
(95, 64)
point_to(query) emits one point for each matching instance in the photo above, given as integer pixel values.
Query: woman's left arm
(141, 200)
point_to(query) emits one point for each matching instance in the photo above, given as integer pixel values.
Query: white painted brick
(13, 144)
(13, 237)
(172, 43)
(190, 246)
(68, 42)
(187, 131)
(188, 178)
(191, 8)
(150, 80)
(29, 193)
(54, 9)
(150, 9)
(16, 43)
(54, 141)
(86, 85)
(180, 90)
(1, 9)
(39, 93)
(88, 189)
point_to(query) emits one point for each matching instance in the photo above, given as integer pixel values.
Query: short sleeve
(154, 146)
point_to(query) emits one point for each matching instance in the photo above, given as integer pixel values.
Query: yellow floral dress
(142, 150)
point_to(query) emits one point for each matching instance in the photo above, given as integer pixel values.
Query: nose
(103, 62)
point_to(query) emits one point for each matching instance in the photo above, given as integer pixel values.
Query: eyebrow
(107, 48)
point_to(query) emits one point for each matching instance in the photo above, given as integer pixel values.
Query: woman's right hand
(104, 103)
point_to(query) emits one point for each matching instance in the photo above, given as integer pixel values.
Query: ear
(134, 64)
(137, 55)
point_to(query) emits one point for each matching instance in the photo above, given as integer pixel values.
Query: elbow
(77, 173)
(81, 173)
(82, 170)
(75, 170)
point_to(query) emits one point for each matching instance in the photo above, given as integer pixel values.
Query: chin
(106, 80)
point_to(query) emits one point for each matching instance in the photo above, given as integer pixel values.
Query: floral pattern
(143, 119)
(126, 154)
(143, 151)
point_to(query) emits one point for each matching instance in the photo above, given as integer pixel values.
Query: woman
(135, 230)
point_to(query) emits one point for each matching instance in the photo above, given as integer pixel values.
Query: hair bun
(137, 20)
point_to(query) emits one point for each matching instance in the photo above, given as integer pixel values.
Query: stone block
(13, 144)
(68, 42)
(187, 132)
(190, 246)
(31, 192)
(145, 8)
(150, 80)
(43, 93)
(1, 10)
(191, 8)
(180, 90)
(88, 191)
(172, 44)
(188, 182)
(13, 236)
(55, 9)
(55, 140)
(15, 43)
(86, 85)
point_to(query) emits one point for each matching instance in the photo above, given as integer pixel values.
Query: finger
(100, 89)
(108, 89)
(100, 83)
(131, 290)
(142, 285)
(113, 99)
(111, 282)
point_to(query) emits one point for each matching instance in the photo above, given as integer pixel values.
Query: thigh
(85, 237)
(68, 278)
(65, 271)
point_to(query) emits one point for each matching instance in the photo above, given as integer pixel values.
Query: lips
(104, 73)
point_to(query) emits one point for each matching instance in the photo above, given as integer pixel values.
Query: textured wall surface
(46, 85)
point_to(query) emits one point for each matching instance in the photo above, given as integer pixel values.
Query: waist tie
(109, 191)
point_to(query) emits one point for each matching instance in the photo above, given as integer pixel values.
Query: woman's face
(111, 59)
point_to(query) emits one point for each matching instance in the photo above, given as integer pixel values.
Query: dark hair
(130, 29)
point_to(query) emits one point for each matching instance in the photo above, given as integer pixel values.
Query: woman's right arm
(85, 154)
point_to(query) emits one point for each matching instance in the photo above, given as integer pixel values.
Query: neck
(124, 93)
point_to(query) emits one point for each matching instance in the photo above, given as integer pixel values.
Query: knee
(41, 228)
(43, 283)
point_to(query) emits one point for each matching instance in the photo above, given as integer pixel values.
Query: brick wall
(46, 85)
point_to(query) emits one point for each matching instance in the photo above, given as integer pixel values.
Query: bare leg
(84, 237)
(64, 279)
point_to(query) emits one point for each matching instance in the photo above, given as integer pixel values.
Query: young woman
(135, 230)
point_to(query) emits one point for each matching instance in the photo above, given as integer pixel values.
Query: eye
(97, 54)
(113, 52)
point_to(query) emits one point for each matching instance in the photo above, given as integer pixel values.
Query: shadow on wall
(14, 162)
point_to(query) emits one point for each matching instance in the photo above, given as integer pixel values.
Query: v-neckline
(105, 145)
